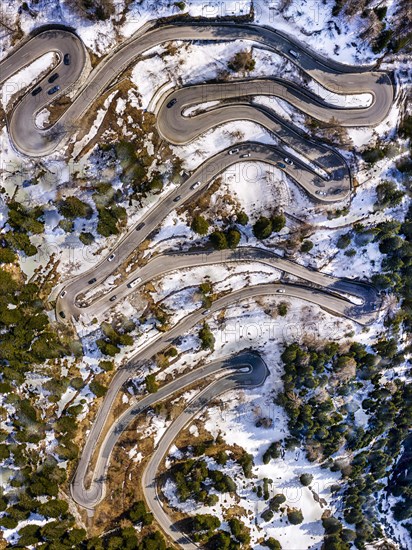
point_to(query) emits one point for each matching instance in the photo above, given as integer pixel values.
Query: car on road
(53, 90)
(245, 156)
(63, 294)
(66, 59)
(195, 185)
(171, 103)
(233, 151)
(113, 298)
(280, 165)
(294, 54)
(53, 77)
(62, 314)
(36, 90)
(140, 226)
(111, 257)
(92, 281)
(206, 312)
(320, 193)
(134, 282)
(281, 290)
(177, 198)
(288, 161)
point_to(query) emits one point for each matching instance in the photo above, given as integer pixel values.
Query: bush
(218, 240)
(7, 256)
(344, 241)
(77, 383)
(272, 544)
(242, 62)
(242, 218)
(206, 337)
(53, 508)
(405, 128)
(86, 238)
(205, 522)
(267, 515)
(295, 516)
(233, 238)
(306, 479)
(331, 525)
(107, 366)
(138, 513)
(72, 208)
(4, 452)
(374, 154)
(200, 225)
(246, 462)
(282, 309)
(276, 501)
(272, 452)
(8, 522)
(239, 530)
(278, 222)
(151, 384)
(306, 246)
(388, 195)
(262, 228)
(98, 389)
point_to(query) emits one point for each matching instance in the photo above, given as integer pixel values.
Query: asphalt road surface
(365, 298)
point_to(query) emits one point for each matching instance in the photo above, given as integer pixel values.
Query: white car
(294, 54)
(245, 156)
(288, 161)
(63, 294)
(281, 290)
(233, 151)
(134, 282)
(195, 185)
(111, 257)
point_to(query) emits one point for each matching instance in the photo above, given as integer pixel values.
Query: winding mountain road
(363, 309)
(320, 170)
(253, 376)
(33, 141)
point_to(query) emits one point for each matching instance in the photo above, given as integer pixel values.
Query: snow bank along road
(325, 177)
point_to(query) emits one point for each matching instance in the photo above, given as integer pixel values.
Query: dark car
(281, 165)
(66, 59)
(36, 90)
(62, 314)
(171, 103)
(53, 77)
(113, 298)
(140, 226)
(92, 281)
(53, 90)
(177, 198)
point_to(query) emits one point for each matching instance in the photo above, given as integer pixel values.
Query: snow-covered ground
(255, 188)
